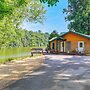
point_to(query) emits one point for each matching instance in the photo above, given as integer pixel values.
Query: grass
(8, 54)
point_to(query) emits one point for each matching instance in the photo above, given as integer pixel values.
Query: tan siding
(74, 38)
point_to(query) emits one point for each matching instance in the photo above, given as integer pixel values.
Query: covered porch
(57, 45)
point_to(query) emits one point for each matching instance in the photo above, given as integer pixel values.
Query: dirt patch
(14, 70)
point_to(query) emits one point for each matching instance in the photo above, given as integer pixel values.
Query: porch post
(57, 46)
(63, 46)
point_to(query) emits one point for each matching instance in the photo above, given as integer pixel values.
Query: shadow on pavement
(59, 72)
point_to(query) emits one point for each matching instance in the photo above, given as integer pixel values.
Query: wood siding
(74, 38)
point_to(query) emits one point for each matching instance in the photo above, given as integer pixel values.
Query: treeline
(22, 38)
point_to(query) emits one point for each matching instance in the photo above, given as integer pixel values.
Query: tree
(50, 2)
(78, 13)
(53, 34)
(8, 6)
(33, 11)
(10, 23)
(12, 14)
(39, 31)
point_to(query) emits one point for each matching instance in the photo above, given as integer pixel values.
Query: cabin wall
(74, 38)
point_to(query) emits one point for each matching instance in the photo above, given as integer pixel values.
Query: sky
(55, 19)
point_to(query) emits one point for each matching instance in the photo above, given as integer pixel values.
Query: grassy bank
(8, 54)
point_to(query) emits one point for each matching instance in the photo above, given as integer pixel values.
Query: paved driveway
(59, 72)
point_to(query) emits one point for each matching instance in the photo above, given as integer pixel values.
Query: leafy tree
(78, 13)
(11, 33)
(7, 7)
(50, 2)
(13, 13)
(19, 10)
(22, 38)
(53, 34)
(39, 31)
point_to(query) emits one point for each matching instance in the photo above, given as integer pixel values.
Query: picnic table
(36, 51)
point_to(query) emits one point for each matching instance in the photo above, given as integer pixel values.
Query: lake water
(6, 53)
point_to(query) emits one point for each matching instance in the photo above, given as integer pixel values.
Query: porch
(57, 45)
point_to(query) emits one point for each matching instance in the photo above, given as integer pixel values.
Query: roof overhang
(63, 39)
(57, 38)
(80, 34)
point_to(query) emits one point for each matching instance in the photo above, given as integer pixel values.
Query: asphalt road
(59, 72)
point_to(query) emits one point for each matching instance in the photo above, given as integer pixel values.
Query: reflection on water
(14, 52)
(16, 55)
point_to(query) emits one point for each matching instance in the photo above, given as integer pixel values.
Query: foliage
(12, 14)
(54, 33)
(50, 2)
(7, 7)
(78, 13)
(30, 11)
(22, 38)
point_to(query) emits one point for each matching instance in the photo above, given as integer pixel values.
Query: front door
(68, 48)
(62, 47)
(53, 46)
(80, 46)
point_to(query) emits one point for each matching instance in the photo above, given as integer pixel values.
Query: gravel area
(16, 69)
(59, 72)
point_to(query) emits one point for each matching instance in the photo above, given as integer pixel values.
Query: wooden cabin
(70, 42)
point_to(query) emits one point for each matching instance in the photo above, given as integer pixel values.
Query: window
(81, 44)
(53, 45)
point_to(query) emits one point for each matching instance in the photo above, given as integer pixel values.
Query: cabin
(70, 42)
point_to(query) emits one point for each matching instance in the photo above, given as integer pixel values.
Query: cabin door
(80, 46)
(68, 47)
(62, 47)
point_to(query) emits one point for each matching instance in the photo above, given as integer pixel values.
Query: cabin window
(81, 44)
(53, 45)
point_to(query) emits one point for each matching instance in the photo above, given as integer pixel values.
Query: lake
(7, 53)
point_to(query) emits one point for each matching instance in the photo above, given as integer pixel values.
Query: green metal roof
(56, 38)
(84, 35)
(60, 37)
(52, 39)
